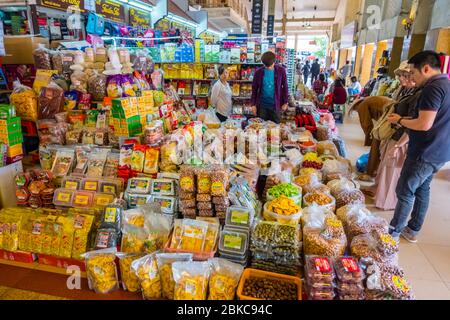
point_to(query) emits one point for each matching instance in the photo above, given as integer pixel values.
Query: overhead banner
(61, 4)
(271, 19)
(257, 16)
(110, 10)
(139, 17)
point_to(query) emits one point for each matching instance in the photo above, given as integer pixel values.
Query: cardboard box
(15, 150)
(19, 50)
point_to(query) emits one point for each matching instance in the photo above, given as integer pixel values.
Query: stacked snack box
(11, 133)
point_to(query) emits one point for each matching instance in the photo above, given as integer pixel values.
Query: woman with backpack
(394, 143)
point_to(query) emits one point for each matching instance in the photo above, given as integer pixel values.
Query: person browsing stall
(221, 95)
(429, 144)
(270, 89)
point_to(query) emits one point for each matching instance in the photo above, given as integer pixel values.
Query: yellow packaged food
(24, 99)
(225, 276)
(37, 235)
(67, 233)
(134, 217)
(158, 227)
(191, 280)
(211, 237)
(176, 234)
(193, 235)
(130, 281)
(101, 270)
(165, 261)
(133, 239)
(82, 228)
(146, 269)
(283, 206)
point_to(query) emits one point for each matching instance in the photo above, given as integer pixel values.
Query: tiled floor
(427, 263)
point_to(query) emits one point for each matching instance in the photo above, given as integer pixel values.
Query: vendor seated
(305, 119)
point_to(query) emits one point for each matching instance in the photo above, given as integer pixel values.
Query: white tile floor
(426, 263)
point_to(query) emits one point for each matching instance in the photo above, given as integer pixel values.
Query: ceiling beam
(324, 28)
(307, 19)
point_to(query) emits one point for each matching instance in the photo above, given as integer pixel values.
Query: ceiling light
(140, 5)
(181, 20)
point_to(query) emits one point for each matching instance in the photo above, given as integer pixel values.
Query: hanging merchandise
(95, 24)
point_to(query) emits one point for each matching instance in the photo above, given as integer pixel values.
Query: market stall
(149, 195)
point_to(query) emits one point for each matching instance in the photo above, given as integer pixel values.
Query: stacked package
(349, 277)
(319, 277)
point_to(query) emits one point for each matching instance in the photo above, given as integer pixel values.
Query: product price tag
(232, 242)
(350, 265)
(239, 217)
(91, 185)
(82, 200)
(322, 264)
(110, 215)
(400, 283)
(72, 185)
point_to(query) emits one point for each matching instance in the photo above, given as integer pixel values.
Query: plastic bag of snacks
(349, 195)
(165, 261)
(339, 185)
(224, 279)
(314, 186)
(24, 99)
(349, 277)
(114, 86)
(97, 86)
(357, 219)
(51, 101)
(325, 200)
(191, 280)
(133, 239)
(146, 269)
(158, 226)
(101, 270)
(130, 281)
(187, 178)
(327, 239)
(376, 245)
(327, 148)
(79, 81)
(319, 277)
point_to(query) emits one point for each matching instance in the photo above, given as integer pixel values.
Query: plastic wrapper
(204, 205)
(325, 238)
(114, 86)
(219, 181)
(314, 186)
(204, 181)
(224, 279)
(348, 271)
(187, 179)
(112, 217)
(79, 81)
(143, 62)
(153, 133)
(95, 165)
(187, 204)
(42, 58)
(111, 165)
(193, 235)
(97, 86)
(319, 276)
(327, 148)
(133, 239)
(191, 280)
(165, 261)
(379, 246)
(349, 196)
(221, 201)
(51, 101)
(159, 227)
(106, 238)
(321, 199)
(101, 55)
(187, 195)
(146, 269)
(25, 101)
(130, 281)
(63, 162)
(51, 132)
(324, 133)
(338, 185)
(101, 270)
(127, 86)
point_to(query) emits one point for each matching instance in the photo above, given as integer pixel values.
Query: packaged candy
(106, 238)
(187, 176)
(114, 86)
(42, 58)
(165, 261)
(101, 270)
(146, 269)
(25, 101)
(127, 86)
(224, 279)
(133, 239)
(112, 217)
(51, 101)
(63, 162)
(191, 280)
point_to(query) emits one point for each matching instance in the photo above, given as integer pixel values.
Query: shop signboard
(61, 4)
(257, 16)
(271, 19)
(110, 10)
(139, 17)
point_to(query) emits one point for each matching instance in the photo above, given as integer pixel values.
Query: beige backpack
(383, 129)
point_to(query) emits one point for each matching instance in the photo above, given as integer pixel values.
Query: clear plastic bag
(224, 279)
(357, 220)
(314, 186)
(42, 57)
(327, 148)
(158, 227)
(348, 271)
(187, 178)
(191, 280)
(133, 239)
(97, 86)
(349, 195)
(51, 101)
(379, 246)
(24, 99)
(143, 63)
(106, 238)
(101, 270)
(79, 81)
(339, 185)
(165, 261)
(146, 269)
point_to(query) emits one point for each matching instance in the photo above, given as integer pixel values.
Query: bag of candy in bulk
(377, 245)
(24, 99)
(357, 220)
(224, 279)
(51, 101)
(385, 281)
(323, 234)
(165, 261)
(97, 86)
(327, 148)
(114, 86)
(341, 184)
(336, 169)
(191, 280)
(349, 195)
(129, 279)
(41, 56)
(146, 269)
(101, 270)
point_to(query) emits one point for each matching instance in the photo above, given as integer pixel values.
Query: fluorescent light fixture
(181, 20)
(124, 1)
(140, 6)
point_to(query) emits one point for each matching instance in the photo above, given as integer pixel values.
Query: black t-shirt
(433, 145)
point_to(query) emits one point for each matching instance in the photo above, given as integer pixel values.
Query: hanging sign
(257, 16)
(139, 17)
(271, 19)
(61, 4)
(110, 10)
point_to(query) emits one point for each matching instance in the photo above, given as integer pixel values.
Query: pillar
(396, 55)
(381, 46)
(366, 65)
(359, 60)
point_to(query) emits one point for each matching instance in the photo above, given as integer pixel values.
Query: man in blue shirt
(429, 144)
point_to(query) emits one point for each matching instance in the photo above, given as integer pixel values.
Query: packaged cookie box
(83, 199)
(63, 197)
(103, 199)
(90, 184)
(139, 185)
(162, 187)
(114, 186)
(233, 243)
(72, 183)
(168, 204)
(137, 199)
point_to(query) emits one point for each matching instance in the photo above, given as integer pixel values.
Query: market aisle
(427, 263)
